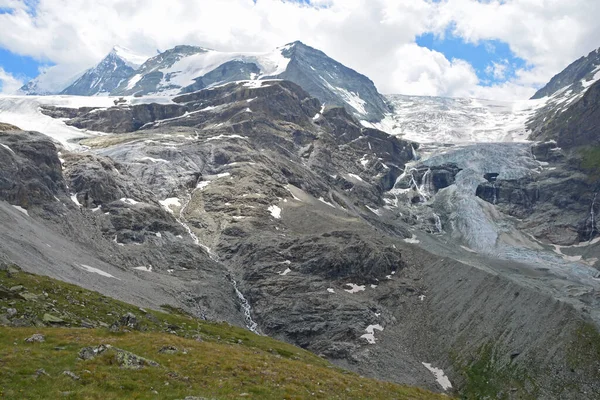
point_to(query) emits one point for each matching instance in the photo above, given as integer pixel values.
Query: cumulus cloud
(375, 37)
(8, 83)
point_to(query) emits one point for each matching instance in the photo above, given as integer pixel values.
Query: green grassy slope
(204, 359)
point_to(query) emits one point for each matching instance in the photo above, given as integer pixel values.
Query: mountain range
(450, 244)
(185, 69)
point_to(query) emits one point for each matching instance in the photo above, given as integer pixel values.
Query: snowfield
(25, 113)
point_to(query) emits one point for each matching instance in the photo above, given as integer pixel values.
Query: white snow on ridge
(131, 58)
(221, 137)
(7, 148)
(183, 72)
(133, 81)
(24, 211)
(154, 160)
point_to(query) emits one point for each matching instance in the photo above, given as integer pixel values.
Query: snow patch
(330, 290)
(356, 177)
(284, 273)
(354, 288)
(364, 160)
(145, 269)
(74, 200)
(440, 376)
(170, 202)
(202, 184)
(412, 240)
(98, 271)
(322, 200)
(373, 210)
(275, 211)
(370, 335)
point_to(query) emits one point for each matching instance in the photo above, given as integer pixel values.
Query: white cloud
(421, 71)
(498, 70)
(375, 37)
(548, 34)
(8, 83)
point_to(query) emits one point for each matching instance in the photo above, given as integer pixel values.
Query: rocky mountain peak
(577, 76)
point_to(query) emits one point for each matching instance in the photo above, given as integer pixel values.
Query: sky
(495, 49)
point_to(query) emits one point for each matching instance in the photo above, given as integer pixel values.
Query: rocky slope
(325, 234)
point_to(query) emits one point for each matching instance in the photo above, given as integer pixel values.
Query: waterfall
(250, 324)
(438, 223)
(495, 198)
(183, 222)
(593, 216)
(426, 189)
(414, 153)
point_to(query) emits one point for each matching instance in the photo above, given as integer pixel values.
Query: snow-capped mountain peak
(108, 74)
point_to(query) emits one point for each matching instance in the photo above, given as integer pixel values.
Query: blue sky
(391, 41)
(493, 60)
(20, 66)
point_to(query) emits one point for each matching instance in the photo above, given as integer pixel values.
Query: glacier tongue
(477, 224)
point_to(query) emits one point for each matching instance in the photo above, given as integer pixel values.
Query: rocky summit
(422, 241)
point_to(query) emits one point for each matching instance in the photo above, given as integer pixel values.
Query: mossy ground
(590, 161)
(213, 360)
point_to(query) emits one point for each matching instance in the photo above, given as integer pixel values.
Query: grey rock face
(31, 169)
(333, 83)
(571, 114)
(575, 126)
(230, 71)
